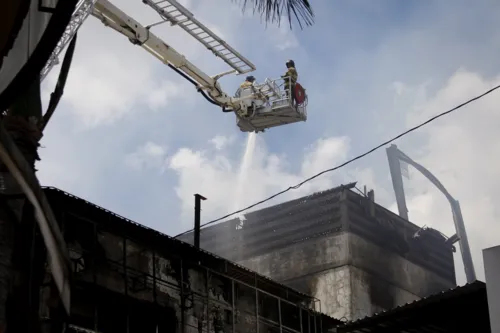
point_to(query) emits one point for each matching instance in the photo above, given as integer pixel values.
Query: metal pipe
(207, 286)
(124, 254)
(94, 273)
(395, 155)
(470, 272)
(397, 180)
(300, 320)
(154, 275)
(256, 305)
(314, 322)
(183, 299)
(279, 316)
(233, 306)
(197, 218)
(491, 257)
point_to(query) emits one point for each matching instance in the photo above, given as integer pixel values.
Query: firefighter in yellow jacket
(249, 81)
(290, 77)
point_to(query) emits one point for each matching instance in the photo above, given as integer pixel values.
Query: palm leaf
(273, 10)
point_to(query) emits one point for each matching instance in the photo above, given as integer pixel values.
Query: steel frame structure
(309, 319)
(394, 156)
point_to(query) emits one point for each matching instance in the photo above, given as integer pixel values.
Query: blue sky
(132, 136)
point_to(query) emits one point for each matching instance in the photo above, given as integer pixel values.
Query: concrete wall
(395, 269)
(272, 228)
(389, 231)
(371, 294)
(351, 276)
(297, 260)
(334, 290)
(355, 256)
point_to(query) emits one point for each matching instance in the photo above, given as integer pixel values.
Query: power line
(349, 161)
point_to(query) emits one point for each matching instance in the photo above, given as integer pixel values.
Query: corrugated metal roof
(236, 267)
(458, 296)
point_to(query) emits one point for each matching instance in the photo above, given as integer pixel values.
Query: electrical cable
(349, 161)
(194, 83)
(208, 98)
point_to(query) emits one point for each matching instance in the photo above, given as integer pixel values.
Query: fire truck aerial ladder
(257, 108)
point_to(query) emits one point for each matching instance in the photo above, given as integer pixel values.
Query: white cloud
(216, 176)
(220, 141)
(351, 95)
(283, 38)
(108, 93)
(162, 95)
(150, 155)
(112, 81)
(463, 152)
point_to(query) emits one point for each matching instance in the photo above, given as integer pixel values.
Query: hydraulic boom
(255, 109)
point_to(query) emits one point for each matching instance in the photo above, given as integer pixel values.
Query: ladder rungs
(176, 14)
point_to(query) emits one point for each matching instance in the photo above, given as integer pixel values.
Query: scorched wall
(355, 256)
(129, 278)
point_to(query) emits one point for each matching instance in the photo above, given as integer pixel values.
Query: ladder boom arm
(82, 11)
(113, 17)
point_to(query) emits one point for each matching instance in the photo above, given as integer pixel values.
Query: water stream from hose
(244, 181)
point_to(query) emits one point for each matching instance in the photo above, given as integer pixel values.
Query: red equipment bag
(299, 94)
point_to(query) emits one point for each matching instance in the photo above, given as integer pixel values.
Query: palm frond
(273, 10)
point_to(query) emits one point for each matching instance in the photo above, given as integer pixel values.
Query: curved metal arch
(394, 155)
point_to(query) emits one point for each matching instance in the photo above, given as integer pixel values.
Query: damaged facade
(355, 256)
(129, 278)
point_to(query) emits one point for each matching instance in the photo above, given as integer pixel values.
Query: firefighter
(246, 84)
(290, 77)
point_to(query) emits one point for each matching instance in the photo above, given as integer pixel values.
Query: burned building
(355, 256)
(130, 278)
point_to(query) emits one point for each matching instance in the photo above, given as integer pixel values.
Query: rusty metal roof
(461, 309)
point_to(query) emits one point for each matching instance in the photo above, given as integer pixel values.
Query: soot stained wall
(122, 269)
(355, 256)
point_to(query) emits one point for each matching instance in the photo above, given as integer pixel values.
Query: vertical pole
(208, 299)
(279, 315)
(124, 254)
(154, 275)
(233, 295)
(320, 322)
(256, 304)
(197, 223)
(125, 276)
(455, 207)
(183, 300)
(470, 273)
(128, 322)
(300, 320)
(491, 259)
(315, 325)
(397, 180)
(309, 321)
(94, 275)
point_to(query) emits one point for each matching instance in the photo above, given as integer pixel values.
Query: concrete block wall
(351, 276)
(357, 257)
